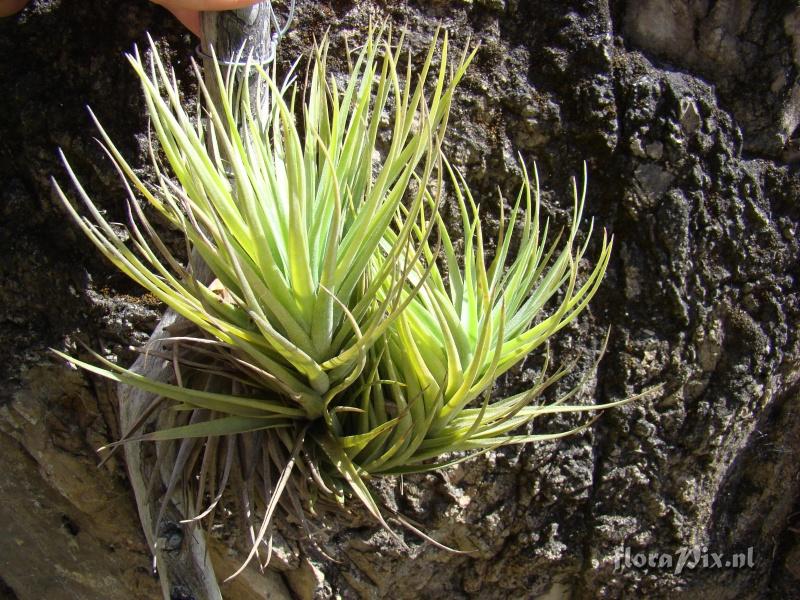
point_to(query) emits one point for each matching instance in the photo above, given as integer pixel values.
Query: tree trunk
(688, 119)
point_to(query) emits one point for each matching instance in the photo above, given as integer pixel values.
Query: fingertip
(10, 7)
(189, 18)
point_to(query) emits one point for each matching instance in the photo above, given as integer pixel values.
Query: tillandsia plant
(437, 364)
(327, 346)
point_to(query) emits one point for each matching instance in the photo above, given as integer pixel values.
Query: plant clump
(339, 335)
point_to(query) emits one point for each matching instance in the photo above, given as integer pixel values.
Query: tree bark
(687, 119)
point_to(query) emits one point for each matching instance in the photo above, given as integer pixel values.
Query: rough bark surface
(686, 112)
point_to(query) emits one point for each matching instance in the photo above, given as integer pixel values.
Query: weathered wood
(181, 555)
(235, 36)
(182, 567)
(236, 32)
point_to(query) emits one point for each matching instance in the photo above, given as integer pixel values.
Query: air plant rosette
(341, 336)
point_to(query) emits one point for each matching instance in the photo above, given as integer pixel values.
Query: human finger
(9, 7)
(189, 18)
(202, 5)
